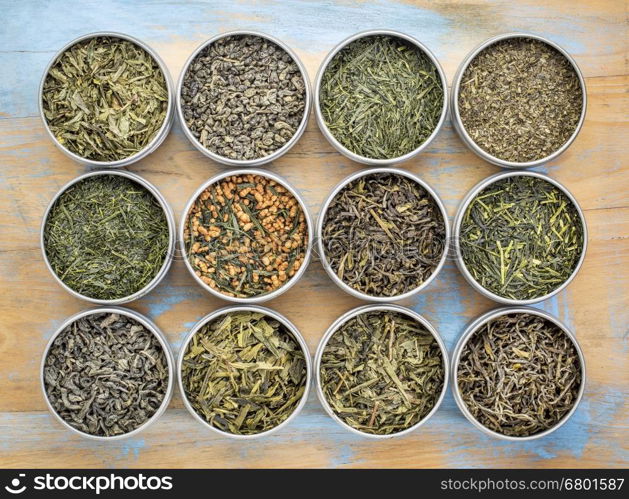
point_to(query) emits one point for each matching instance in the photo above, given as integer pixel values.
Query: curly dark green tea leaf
(519, 374)
(521, 237)
(382, 372)
(106, 374)
(520, 100)
(384, 234)
(243, 97)
(244, 373)
(105, 99)
(106, 237)
(381, 97)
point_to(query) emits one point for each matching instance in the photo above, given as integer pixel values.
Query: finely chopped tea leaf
(106, 374)
(519, 374)
(383, 234)
(382, 372)
(246, 235)
(105, 99)
(106, 237)
(381, 97)
(244, 373)
(243, 97)
(521, 237)
(520, 100)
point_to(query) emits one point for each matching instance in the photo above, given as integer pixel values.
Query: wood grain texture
(595, 169)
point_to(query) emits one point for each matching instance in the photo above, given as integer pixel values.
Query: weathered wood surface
(595, 169)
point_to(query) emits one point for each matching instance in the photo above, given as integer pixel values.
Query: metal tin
(458, 219)
(290, 282)
(159, 136)
(170, 219)
(322, 214)
(246, 162)
(472, 328)
(246, 308)
(372, 308)
(317, 94)
(456, 116)
(149, 325)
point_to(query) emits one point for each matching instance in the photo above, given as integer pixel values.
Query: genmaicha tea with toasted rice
(105, 374)
(246, 235)
(520, 100)
(244, 373)
(105, 98)
(382, 372)
(381, 97)
(519, 374)
(243, 97)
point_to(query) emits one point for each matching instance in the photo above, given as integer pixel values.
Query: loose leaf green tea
(382, 372)
(246, 235)
(106, 237)
(383, 234)
(519, 374)
(520, 100)
(521, 237)
(244, 373)
(381, 97)
(105, 99)
(106, 374)
(243, 97)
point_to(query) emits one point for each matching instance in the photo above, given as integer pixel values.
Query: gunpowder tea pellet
(381, 97)
(521, 237)
(243, 97)
(105, 98)
(106, 237)
(520, 100)
(246, 235)
(383, 234)
(244, 373)
(106, 374)
(382, 372)
(519, 374)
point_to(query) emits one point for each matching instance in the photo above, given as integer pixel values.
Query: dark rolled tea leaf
(105, 99)
(246, 235)
(381, 97)
(106, 237)
(244, 373)
(520, 100)
(106, 374)
(243, 97)
(519, 374)
(521, 237)
(382, 372)
(384, 234)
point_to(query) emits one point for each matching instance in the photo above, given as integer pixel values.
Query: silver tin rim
(472, 328)
(150, 326)
(458, 219)
(246, 308)
(456, 116)
(245, 162)
(290, 282)
(160, 136)
(324, 260)
(317, 94)
(372, 308)
(170, 219)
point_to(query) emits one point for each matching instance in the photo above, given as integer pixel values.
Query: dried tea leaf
(106, 374)
(382, 372)
(105, 99)
(244, 373)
